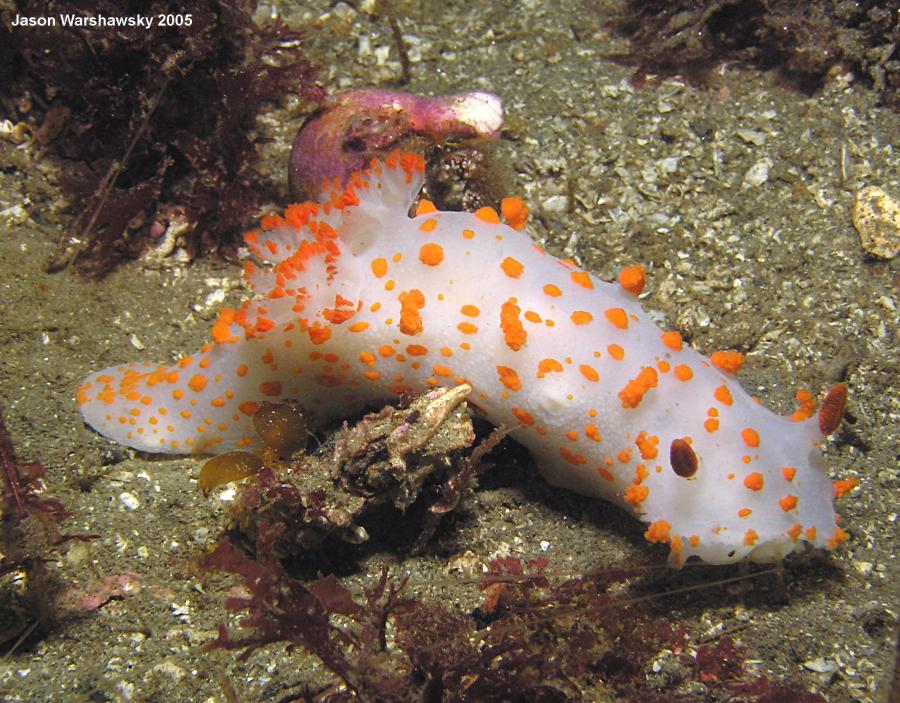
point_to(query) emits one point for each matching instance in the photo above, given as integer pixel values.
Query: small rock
(170, 669)
(758, 173)
(15, 215)
(751, 136)
(466, 563)
(556, 204)
(820, 665)
(129, 500)
(863, 567)
(876, 216)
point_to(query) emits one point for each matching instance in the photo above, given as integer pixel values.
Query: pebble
(129, 500)
(556, 204)
(820, 665)
(758, 173)
(751, 136)
(876, 216)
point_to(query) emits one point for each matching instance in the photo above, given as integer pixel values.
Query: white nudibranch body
(356, 302)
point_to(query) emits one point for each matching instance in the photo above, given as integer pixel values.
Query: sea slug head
(755, 490)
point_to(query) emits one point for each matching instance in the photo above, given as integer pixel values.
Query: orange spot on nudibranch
(750, 437)
(431, 254)
(546, 366)
(788, 502)
(723, 395)
(592, 432)
(318, 333)
(379, 267)
(658, 531)
(411, 302)
(514, 333)
(843, 486)
(617, 317)
(646, 445)
(673, 341)
(425, 207)
(488, 215)
(754, 481)
(635, 390)
(221, 329)
(523, 416)
(270, 388)
(806, 406)
(512, 267)
(574, 459)
(683, 372)
(589, 372)
(198, 382)
(582, 278)
(838, 536)
(580, 317)
(636, 494)
(509, 378)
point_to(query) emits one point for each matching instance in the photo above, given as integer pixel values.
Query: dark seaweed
(531, 640)
(803, 41)
(29, 538)
(155, 126)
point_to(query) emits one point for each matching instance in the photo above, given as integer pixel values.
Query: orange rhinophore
(515, 212)
(682, 459)
(832, 411)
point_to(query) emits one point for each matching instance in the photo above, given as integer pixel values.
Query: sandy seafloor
(614, 176)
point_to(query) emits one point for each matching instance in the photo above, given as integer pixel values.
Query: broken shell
(876, 216)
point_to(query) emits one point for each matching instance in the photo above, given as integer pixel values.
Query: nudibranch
(357, 302)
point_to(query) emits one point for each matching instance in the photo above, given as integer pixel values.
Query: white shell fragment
(876, 216)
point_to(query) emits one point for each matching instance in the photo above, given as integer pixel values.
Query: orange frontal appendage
(515, 212)
(631, 278)
(727, 361)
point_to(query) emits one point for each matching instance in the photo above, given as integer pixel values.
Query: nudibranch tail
(357, 302)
